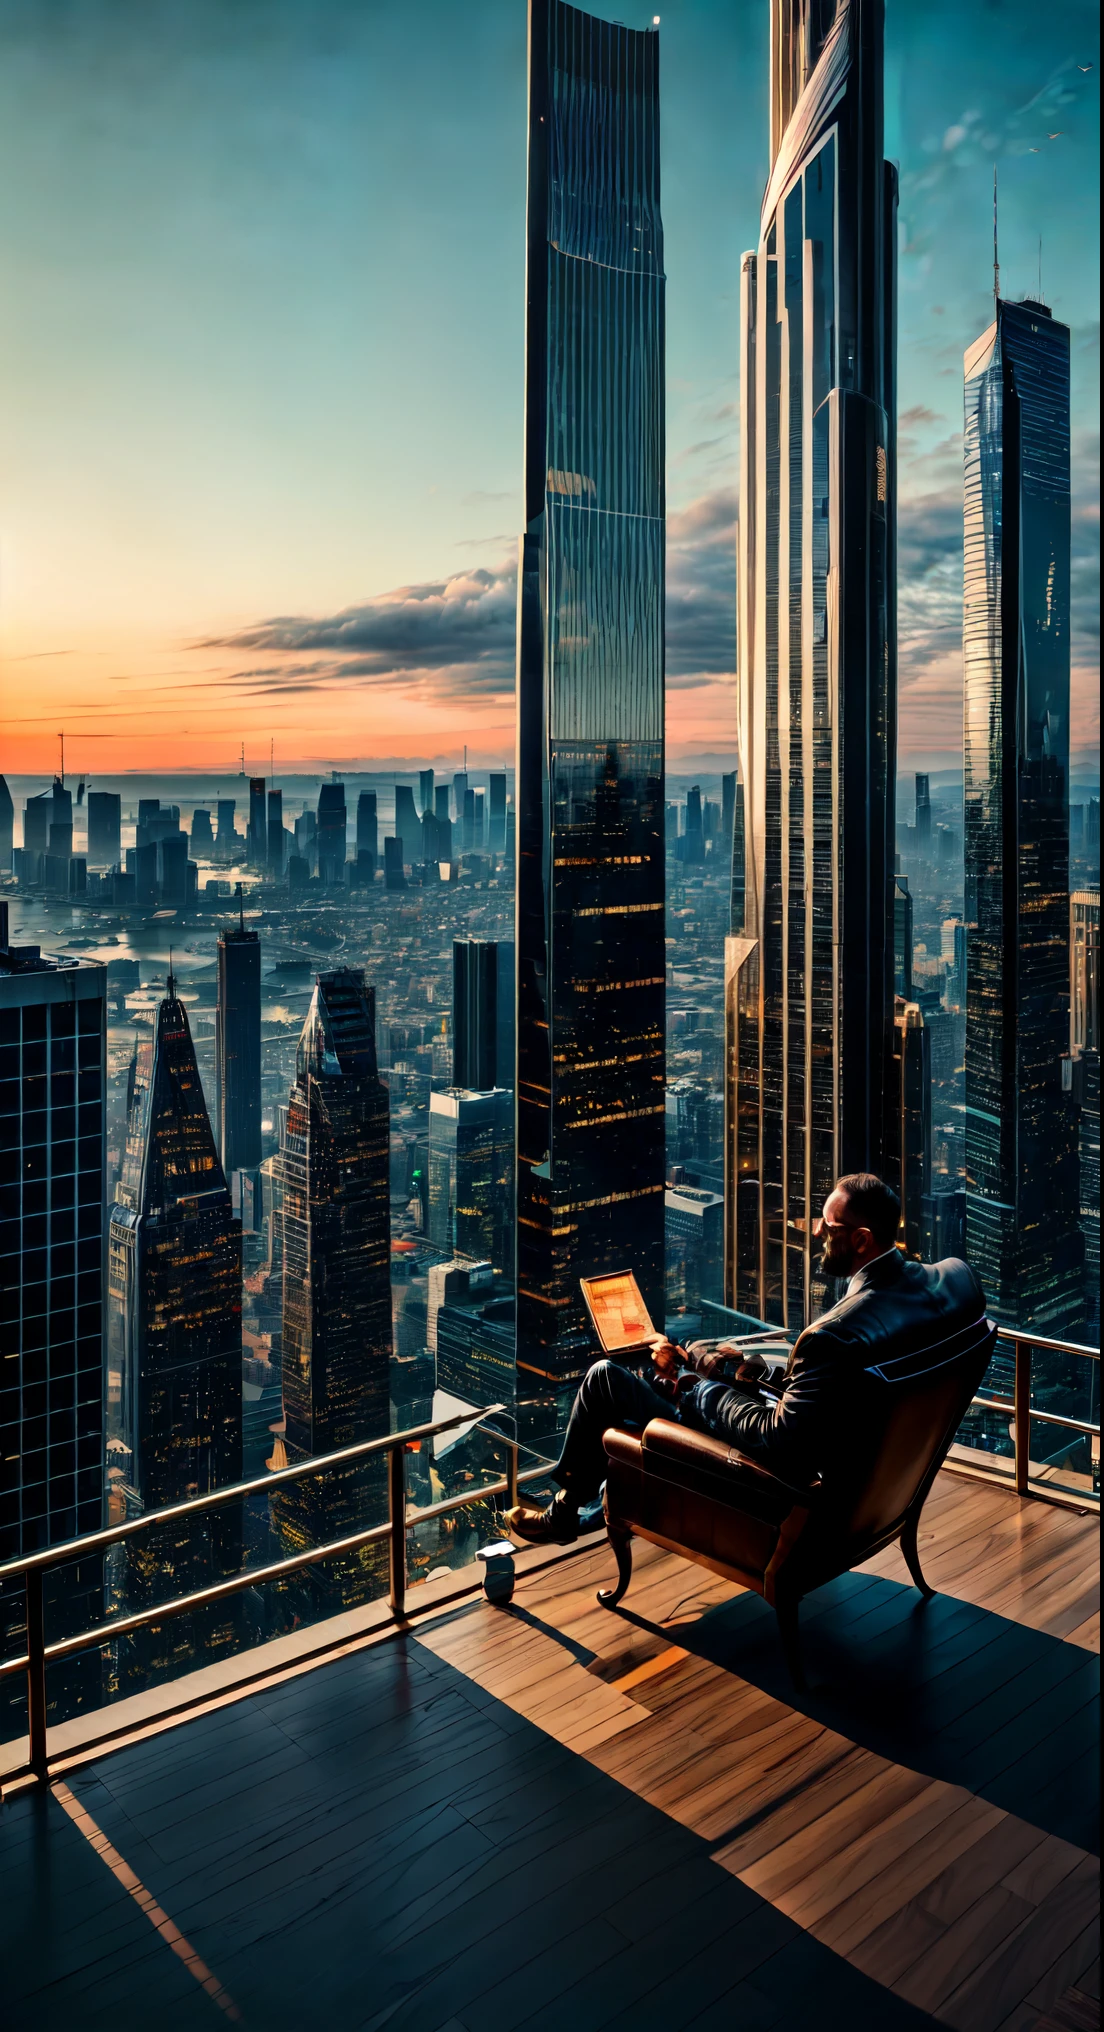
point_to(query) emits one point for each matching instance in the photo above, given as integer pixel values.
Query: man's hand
(667, 1356)
(752, 1368)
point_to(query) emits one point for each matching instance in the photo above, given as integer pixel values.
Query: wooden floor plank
(552, 1814)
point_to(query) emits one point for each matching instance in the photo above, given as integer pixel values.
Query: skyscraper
(810, 979)
(425, 791)
(591, 952)
(408, 826)
(367, 825)
(7, 827)
(53, 1079)
(238, 1050)
(1085, 1083)
(923, 817)
(471, 1173)
(497, 825)
(909, 1149)
(331, 833)
(226, 838)
(258, 823)
(275, 837)
(336, 1223)
(174, 1338)
(1022, 1209)
(483, 1013)
(105, 829)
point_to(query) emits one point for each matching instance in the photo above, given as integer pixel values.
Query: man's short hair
(872, 1204)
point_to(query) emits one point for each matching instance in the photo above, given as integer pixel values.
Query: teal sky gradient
(261, 335)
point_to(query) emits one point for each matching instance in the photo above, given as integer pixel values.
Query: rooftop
(548, 1815)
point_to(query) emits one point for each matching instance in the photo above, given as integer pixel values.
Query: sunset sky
(261, 359)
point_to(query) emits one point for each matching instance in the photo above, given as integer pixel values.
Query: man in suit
(821, 1421)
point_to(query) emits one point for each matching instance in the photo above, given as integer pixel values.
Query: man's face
(838, 1254)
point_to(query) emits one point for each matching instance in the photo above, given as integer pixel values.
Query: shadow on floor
(381, 1844)
(944, 1687)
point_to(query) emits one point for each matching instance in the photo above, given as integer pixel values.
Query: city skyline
(196, 463)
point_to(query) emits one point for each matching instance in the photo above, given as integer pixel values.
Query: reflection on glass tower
(591, 954)
(53, 1079)
(1022, 1208)
(174, 1340)
(809, 980)
(238, 1050)
(336, 1224)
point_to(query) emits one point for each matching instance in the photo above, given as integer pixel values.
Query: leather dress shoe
(556, 1524)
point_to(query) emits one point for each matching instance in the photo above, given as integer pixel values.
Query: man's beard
(837, 1259)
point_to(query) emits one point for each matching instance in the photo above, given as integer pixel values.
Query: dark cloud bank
(453, 639)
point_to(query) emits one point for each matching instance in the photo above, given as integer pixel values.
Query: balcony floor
(551, 1816)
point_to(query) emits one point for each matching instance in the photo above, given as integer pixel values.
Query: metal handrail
(399, 1520)
(1024, 1344)
(96, 1541)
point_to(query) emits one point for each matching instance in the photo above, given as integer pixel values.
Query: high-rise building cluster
(351, 1082)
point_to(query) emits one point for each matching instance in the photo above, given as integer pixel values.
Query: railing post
(1022, 1414)
(396, 1510)
(36, 1674)
(511, 1473)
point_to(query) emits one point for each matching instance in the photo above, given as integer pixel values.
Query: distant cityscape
(321, 1095)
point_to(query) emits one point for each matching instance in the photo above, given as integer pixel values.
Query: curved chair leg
(912, 1556)
(789, 1633)
(620, 1538)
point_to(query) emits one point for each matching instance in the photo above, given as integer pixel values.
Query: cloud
(453, 638)
(701, 589)
(453, 635)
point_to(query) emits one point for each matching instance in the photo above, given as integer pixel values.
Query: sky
(261, 332)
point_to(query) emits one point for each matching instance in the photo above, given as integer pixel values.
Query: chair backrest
(913, 1406)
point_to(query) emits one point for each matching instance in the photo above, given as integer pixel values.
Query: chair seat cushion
(697, 1491)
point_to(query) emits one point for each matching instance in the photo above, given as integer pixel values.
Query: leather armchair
(697, 1496)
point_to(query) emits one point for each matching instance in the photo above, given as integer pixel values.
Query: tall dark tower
(53, 1054)
(809, 995)
(590, 909)
(174, 1343)
(482, 1013)
(337, 1247)
(1022, 1202)
(7, 828)
(238, 1050)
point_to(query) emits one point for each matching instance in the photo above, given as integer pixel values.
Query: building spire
(996, 259)
(170, 982)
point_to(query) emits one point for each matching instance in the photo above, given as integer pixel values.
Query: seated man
(891, 1307)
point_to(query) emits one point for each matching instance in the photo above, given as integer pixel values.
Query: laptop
(620, 1317)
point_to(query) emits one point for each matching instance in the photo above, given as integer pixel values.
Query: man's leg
(608, 1395)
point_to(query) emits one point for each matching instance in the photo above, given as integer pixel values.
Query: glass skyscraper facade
(590, 848)
(336, 1226)
(174, 1395)
(809, 975)
(52, 1147)
(238, 1050)
(1022, 1204)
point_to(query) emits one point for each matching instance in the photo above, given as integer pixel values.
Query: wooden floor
(551, 1816)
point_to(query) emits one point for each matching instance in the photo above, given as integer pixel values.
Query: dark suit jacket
(828, 1417)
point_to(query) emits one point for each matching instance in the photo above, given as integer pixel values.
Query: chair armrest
(700, 1449)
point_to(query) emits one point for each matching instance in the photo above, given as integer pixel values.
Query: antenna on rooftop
(241, 769)
(271, 762)
(170, 984)
(61, 738)
(241, 909)
(1040, 268)
(996, 260)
